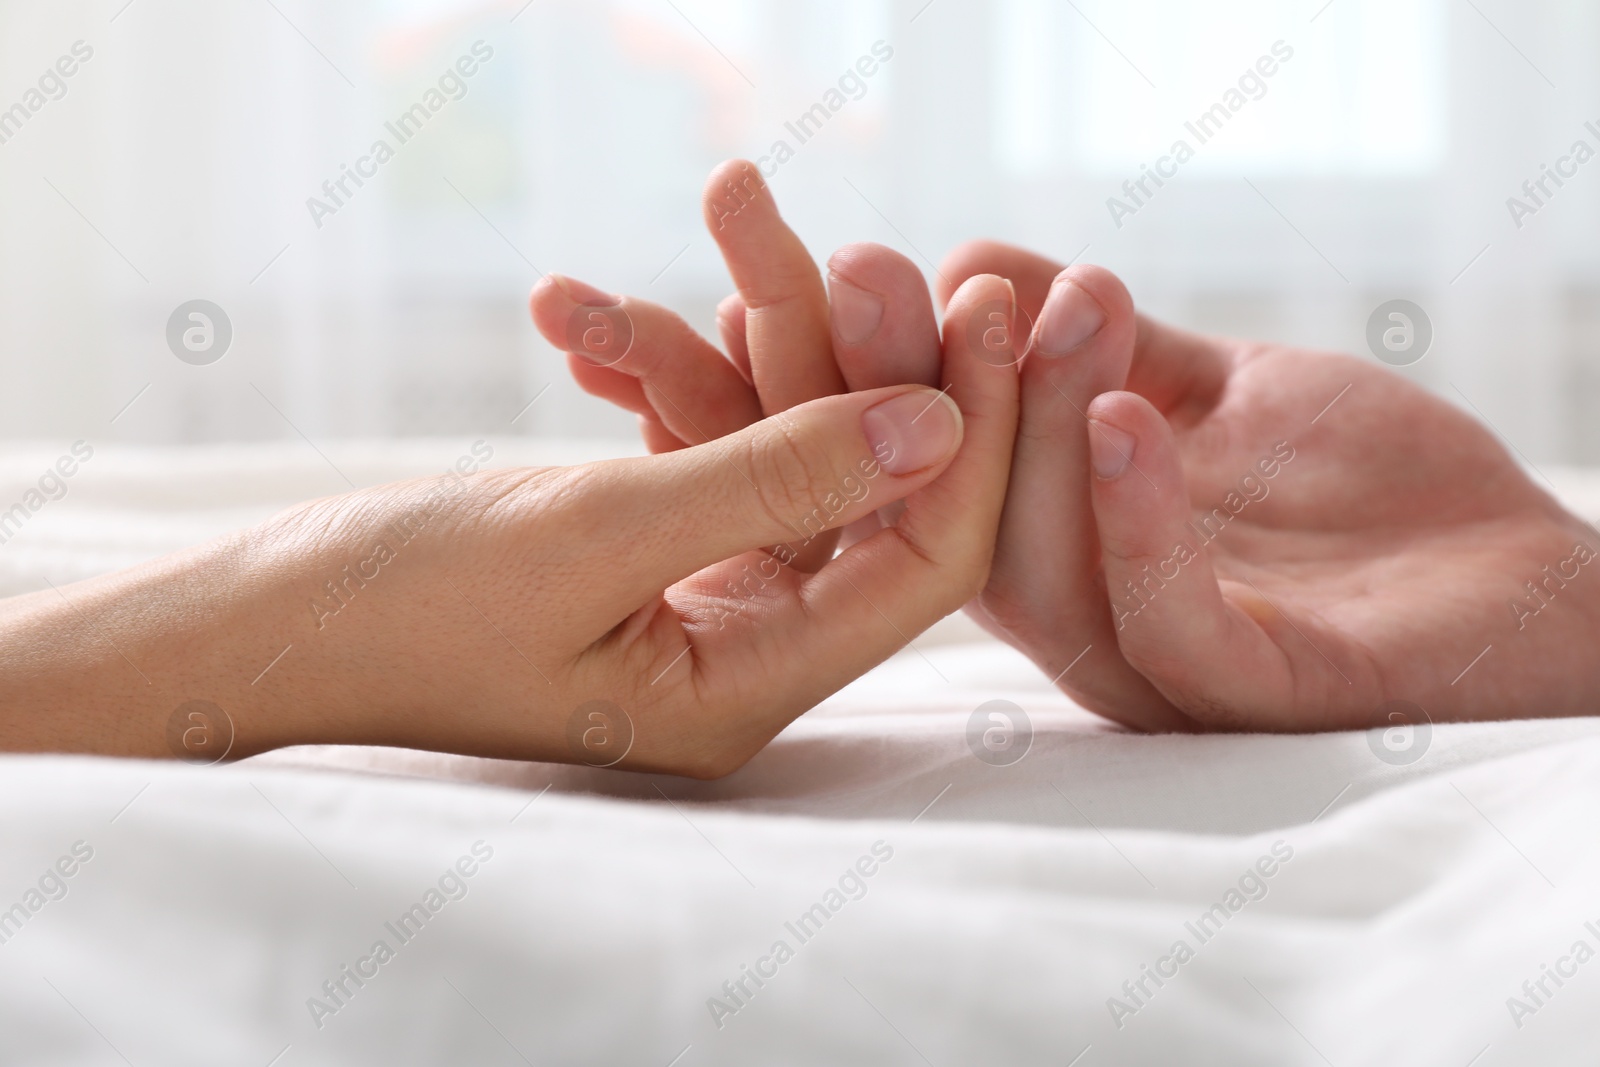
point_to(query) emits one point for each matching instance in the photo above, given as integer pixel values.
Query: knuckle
(958, 573)
(790, 475)
(783, 291)
(1136, 547)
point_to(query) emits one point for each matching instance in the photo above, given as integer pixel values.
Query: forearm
(101, 666)
(114, 665)
(332, 623)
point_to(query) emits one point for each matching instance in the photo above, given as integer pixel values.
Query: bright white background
(179, 162)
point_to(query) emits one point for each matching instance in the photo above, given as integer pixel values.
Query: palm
(1381, 542)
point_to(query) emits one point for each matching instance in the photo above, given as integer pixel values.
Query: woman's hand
(619, 613)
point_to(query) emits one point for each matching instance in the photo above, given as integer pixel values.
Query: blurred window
(1090, 87)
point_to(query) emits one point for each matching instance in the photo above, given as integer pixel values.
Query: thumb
(1172, 621)
(782, 481)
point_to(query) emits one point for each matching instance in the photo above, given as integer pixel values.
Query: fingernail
(1110, 449)
(584, 293)
(1069, 318)
(856, 312)
(912, 431)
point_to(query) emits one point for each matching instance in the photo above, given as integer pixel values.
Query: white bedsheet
(1016, 902)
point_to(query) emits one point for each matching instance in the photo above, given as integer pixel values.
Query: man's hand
(1233, 534)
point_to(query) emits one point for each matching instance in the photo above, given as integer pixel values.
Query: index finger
(786, 307)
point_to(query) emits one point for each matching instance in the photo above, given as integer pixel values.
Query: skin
(1374, 565)
(528, 594)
